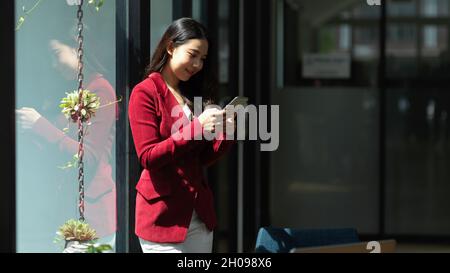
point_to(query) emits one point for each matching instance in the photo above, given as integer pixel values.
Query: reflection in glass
(326, 174)
(417, 125)
(434, 8)
(160, 19)
(349, 29)
(401, 8)
(435, 41)
(47, 188)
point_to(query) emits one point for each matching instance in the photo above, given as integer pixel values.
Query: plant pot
(76, 247)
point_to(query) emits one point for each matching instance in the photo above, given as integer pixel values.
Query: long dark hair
(202, 84)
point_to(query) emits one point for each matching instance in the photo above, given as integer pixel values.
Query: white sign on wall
(326, 66)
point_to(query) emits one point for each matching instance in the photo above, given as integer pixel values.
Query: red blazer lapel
(169, 100)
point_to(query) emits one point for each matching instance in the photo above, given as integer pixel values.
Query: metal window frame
(133, 55)
(255, 69)
(181, 8)
(8, 136)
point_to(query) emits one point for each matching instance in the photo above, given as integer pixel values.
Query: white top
(187, 112)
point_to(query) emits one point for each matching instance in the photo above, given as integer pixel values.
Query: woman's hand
(27, 117)
(211, 118)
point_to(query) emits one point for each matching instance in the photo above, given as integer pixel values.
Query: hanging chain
(80, 123)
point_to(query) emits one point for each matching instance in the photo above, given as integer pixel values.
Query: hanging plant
(79, 237)
(76, 230)
(84, 106)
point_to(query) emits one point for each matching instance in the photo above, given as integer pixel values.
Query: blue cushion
(282, 240)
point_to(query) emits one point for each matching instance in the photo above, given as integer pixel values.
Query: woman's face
(187, 59)
(65, 59)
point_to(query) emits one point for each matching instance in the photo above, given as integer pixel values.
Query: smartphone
(239, 100)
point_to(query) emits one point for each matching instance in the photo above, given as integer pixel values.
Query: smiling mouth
(189, 72)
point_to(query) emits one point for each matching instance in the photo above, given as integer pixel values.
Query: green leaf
(20, 22)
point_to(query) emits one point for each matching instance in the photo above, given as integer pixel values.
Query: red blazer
(172, 183)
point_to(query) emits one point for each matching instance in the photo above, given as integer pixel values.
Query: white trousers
(199, 239)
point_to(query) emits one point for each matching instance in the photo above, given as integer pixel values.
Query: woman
(174, 204)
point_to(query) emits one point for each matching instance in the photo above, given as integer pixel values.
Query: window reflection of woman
(100, 193)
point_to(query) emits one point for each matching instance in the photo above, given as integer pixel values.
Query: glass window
(364, 11)
(401, 8)
(46, 68)
(417, 107)
(224, 50)
(160, 19)
(434, 8)
(401, 40)
(326, 174)
(197, 10)
(435, 41)
(347, 36)
(365, 45)
(417, 149)
(417, 44)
